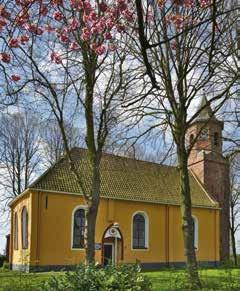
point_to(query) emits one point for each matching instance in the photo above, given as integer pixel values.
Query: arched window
(139, 231)
(195, 232)
(216, 138)
(78, 228)
(203, 134)
(24, 228)
(15, 232)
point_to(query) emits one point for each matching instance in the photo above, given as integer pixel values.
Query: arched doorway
(112, 245)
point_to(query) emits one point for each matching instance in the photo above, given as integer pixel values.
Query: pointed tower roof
(206, 113)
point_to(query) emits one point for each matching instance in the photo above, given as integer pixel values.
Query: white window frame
(15, 232)
(196, 229)
(24, 228)
(84, 207)
(144, 214)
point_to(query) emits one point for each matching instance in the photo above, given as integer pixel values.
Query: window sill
(140, 249)
(77, 249)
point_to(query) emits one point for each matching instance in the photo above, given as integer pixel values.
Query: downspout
(215, 235)
(11, 241)
(38, 229)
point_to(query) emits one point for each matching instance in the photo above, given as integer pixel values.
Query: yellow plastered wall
(208, 234)
(21, 256)
(51, 230)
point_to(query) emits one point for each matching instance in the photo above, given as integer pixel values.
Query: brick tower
(210, 166)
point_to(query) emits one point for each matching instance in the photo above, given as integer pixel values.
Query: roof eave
(18, 197)
(214, 206)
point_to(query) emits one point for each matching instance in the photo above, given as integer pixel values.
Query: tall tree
(187, 50)
(234, 200)
(19, 155)
(53, 146)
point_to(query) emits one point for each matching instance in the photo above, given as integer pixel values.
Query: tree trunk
(232, 227)
(187, 220)
(91, 213)
(91, 216)
(234, 246)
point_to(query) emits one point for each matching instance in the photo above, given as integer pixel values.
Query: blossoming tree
(69, 52)
(75, 49)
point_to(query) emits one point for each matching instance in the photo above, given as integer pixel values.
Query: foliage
(17, 281)
(5, 266)
(2, 260)
(123, 277)
(223, 279)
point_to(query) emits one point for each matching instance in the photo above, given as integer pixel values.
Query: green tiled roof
(123, 178)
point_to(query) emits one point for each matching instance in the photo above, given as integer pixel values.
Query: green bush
(5, 266)
(2, 260)
(92, 278)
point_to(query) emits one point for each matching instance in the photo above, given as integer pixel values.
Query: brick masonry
(210, 166)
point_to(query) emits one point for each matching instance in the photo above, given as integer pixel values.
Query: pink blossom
(77, 4)
(3, 12)
(22, 17)
(86, 18)
(85, 35)
(43, 10)
(4, 57)
(103, 7)
(188, 3)
(112, 47)
(107, 35)
(24, 38)
(204, 3)
(120, 28)
(109, 23)
(48, 28)
(39, 31)
(94, 30)
(92, 16)
(55, 58)
(73, 24)
(74, 46)
(57, 16)
(57, 2)
(100, 26)
(122, 5)
(13, 43)
(3, 22)
(128, 15)
(64, 38)
(15, 78)
(87, 6)
(100, 50)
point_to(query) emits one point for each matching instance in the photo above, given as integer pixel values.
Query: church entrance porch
(112, 245)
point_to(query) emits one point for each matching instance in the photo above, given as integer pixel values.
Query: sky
(4, 230)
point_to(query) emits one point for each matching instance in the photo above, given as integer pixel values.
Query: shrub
(2, 260)
(5, 266)
(92, 278)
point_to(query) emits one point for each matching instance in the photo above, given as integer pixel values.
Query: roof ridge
(128, 158)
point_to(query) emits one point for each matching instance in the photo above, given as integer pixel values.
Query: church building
(139, 216)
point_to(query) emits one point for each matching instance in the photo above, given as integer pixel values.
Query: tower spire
(206, 113)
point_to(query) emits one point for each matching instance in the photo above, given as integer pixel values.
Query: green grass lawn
(213, 279)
